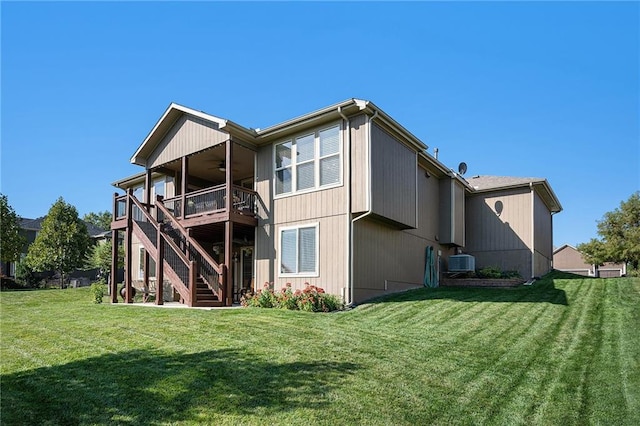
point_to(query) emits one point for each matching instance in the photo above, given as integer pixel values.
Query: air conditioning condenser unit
(462, 263)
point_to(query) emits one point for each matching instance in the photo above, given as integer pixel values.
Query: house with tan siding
(509, 222)
(344, 198)
(567, 258)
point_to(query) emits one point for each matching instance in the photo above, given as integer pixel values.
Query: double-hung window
(309, 161)
(299, 251)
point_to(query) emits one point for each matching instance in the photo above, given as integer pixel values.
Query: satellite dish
(462, 168)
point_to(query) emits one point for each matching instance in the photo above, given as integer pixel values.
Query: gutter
(367, 213)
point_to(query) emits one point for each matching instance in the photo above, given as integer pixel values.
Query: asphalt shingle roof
(482, 183)
(36, 225)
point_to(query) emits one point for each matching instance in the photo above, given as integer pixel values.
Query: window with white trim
(138, 192)
(307, 162)
(299, 251)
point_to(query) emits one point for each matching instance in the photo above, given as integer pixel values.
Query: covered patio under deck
(222, 226)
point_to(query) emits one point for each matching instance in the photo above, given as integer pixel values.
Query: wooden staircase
(191, 271)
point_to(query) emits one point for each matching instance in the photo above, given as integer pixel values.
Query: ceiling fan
(220, 165)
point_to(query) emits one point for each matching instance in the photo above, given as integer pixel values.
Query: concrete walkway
(176, 305)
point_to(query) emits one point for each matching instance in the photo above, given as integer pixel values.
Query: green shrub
(98, 289)
(311, 299)
(490, 272)
(511, 274)
(495, 272)
(26, 276)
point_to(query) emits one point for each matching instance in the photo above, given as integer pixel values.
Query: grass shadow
(149, 387)
(542, 291)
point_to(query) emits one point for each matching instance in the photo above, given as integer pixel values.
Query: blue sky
(541, 89)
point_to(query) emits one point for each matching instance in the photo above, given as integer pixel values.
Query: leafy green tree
(620, 236)
(12, 239)
(100, 220)
(62, 242)
(100, 257)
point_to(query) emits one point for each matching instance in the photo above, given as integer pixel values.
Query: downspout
(347, 179)
(369, 204)
(552, 264)
(533, 234)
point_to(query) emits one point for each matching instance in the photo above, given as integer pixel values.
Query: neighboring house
(30, 229)
(344, 198)
(569, 259)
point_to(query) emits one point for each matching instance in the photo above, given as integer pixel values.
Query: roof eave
(175, 111)
(129, 179)
(346, 107)
(370, 108)
(555, 208)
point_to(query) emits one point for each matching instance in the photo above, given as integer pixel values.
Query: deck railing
(175, 258)
(212, 200)
(207, 268)
(244, 200)
(120, 207)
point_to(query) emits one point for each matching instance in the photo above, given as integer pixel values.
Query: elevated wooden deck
(202, 207)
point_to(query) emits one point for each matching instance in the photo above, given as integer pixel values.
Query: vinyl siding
(326, 207)
(188, 135)
(543, 243)
(428, 207)
(393, 178)
(570, 258)
(452, 213)
(387, 260)
(359, 164)
(498, 227)
(506, 260)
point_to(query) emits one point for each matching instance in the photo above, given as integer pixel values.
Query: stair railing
(182, 268)
(207, 268)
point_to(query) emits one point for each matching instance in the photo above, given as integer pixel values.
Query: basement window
(299, 251)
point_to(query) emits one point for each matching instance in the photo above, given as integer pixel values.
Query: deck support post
(228, 259)
(184, 185)
(229, 174)
(193, 283)
(228, 229)
(147, 201)
(113, 274)
(127, 239)
(160, 269)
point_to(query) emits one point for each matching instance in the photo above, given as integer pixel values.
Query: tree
(620, 236)
(100, 257)
(62, 242)
(101, 220)
(12, 239)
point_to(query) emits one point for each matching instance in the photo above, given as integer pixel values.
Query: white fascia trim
(313, 274)
(222, 123)
(306, 117)
(393, 124)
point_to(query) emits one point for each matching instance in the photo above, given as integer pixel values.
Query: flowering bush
(311, 299)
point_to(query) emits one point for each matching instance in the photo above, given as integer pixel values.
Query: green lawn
(564, 351)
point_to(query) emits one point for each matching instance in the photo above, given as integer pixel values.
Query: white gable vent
(462, 263)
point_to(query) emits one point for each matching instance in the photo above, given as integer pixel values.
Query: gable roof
(497, 183)
(337, 111)
(565, 246)
(271, 133)
(169, 118)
